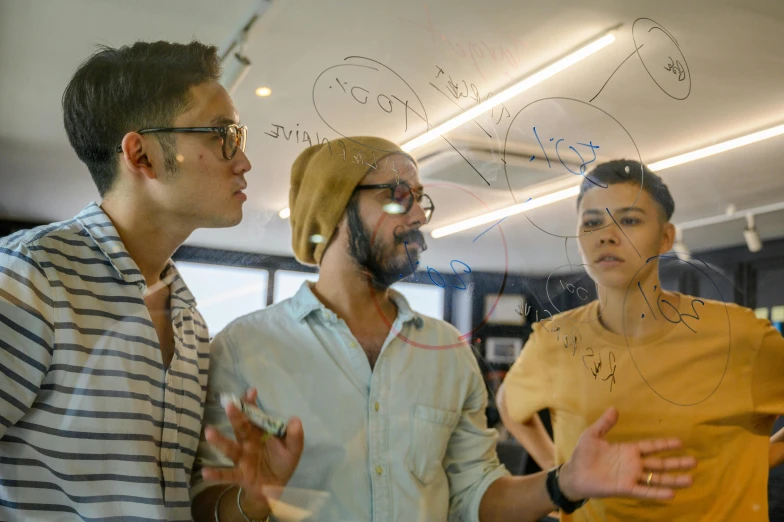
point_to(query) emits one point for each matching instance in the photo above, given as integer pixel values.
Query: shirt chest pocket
(431, 429)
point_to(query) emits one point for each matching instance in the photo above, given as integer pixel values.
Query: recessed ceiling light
(285, 213)
(263, 91)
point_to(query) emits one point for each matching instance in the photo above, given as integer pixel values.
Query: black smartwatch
(557, 496)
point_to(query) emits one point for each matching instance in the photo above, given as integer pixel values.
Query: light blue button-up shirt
(407, 441)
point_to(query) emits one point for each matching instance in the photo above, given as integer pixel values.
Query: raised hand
(263, 464)
(598, 468)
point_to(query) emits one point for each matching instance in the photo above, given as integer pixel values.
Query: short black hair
(629, 171)
(116, 91)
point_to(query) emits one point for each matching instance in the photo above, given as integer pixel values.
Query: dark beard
(369, 256)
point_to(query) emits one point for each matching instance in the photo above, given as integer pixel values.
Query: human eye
(401, 193)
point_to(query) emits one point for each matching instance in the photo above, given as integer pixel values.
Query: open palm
(599, 468)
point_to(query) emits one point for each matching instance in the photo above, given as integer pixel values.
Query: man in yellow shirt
(703, 371)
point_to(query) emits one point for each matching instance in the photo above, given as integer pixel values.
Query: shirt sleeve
(527, 384)
(223, 377)
(471, 461)
(767, 382)
(26, 332)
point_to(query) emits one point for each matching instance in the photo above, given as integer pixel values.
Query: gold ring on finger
(650, 477)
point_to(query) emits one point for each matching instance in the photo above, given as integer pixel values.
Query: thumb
(250, 395)
(295, 436)
(604, 424)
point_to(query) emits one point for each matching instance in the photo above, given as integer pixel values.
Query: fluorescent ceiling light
(511, 92)
(715, 149)
(563, 194)
(506, 212)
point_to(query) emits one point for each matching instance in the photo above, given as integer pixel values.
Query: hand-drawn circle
(549, 298)
(315, 105)
(466, 336)
(561, 98)
(729, 332)
(643, 36)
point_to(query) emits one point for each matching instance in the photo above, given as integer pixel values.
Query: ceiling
(733, 49)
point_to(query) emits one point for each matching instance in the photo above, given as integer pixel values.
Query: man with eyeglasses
(390, 404)
(103, 355)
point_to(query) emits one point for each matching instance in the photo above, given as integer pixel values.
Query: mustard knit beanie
(323, 178)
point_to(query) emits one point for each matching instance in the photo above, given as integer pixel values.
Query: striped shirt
(92, 425)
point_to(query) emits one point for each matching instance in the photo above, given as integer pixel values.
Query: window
(224, 293)
(423, 299)
(287, 283)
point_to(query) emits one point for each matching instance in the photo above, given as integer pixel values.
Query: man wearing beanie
(391, 402)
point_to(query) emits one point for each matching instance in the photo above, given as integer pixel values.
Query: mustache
(411, 236)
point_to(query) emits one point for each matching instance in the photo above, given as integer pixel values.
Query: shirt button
(379, 470)
(376, 406)
(353, 344)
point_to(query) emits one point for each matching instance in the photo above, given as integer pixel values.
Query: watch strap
(557, 496)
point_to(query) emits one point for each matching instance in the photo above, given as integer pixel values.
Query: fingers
(295, 436)
(657, 445)
(670, 463)
(243, 429)
(665, 480)
(659, 486)
(228, 475)
(226, 446)
(604, 423)
(250, 395)
(653, 492)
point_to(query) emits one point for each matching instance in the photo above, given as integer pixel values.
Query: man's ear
(136, 155)
(668, 238)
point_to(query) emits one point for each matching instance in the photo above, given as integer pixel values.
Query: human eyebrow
(223, 120)
(592, 212)
(626, 210)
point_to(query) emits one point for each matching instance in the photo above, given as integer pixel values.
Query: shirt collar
(100, 228)
(181, 296)
(305, 302)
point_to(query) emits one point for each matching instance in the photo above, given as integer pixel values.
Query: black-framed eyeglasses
(234, 137)
(402, 197)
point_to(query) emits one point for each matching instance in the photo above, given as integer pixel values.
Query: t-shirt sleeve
(527, 385)
(767, 382)
(27, 333)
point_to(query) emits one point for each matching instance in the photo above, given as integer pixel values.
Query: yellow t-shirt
(714, 379)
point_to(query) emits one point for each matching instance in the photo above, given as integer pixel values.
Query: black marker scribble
(613, 73)
(685, 67)
(622, 232)
(612, 372)
(592, 107)
(459, 107)
(406, 106)
(681, 71)
(628, 314)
